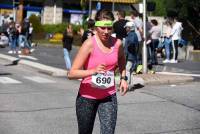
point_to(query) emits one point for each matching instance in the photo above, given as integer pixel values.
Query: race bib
(103, 80)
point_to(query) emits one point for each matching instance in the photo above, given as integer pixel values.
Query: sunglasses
(108, 28)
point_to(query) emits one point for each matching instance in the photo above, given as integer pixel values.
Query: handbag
(182, 42)
(161, 44)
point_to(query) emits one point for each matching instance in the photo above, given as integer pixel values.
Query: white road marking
(39, 79)
(28, 57)
(182, 74)
(7, 80)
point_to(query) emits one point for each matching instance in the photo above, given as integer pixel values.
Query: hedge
(41, 31)
(59, 28)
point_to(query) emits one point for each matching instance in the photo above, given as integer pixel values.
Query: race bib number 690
(104, 80)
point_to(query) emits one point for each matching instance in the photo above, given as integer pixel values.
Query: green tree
(83, 4)
(38, 30)
(185, 10)
(160, 8)
(182, 7)
(188, 12)
(37, 26)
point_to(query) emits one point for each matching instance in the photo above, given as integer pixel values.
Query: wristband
(124, 78)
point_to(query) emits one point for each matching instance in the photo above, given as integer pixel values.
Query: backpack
(13, 31)
(25, 27)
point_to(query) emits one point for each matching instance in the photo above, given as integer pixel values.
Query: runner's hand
(123, 87)
(100, 68)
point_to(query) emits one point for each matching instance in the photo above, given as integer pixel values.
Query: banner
(29, 13)
(76, 19)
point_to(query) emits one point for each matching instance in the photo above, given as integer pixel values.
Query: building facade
(57, 11)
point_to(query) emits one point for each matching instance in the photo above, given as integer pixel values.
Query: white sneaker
(173, 61)
(19, 52)
(166, 61)
(10, 52)
(32, 49)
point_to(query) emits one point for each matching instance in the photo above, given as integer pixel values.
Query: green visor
(104, 23)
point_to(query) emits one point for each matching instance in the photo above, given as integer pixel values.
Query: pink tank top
(97, 57)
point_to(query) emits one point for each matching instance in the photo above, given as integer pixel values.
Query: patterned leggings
(86, 110)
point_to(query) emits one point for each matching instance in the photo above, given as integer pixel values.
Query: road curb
(160, 68)
(156, 79)
(143, 79)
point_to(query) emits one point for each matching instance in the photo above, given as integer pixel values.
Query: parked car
(4, 41)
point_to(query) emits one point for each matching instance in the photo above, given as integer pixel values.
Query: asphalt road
(35, 103)
(52, 55)
(49, 55)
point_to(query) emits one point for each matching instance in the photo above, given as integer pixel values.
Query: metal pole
(13, 10)
(90, 8)
(113, 6)
(144, 57)
(54, 13)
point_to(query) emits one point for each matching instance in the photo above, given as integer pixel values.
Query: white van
(4, 41)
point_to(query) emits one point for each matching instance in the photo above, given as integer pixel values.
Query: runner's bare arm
(122, 70)
(77, 71)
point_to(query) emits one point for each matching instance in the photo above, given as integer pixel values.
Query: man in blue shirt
(131, 49)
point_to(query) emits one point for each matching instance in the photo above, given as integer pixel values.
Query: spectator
(23, 42)
(12, 31)
(30, 33)
(166, 40)
(139, 31)
(175, 35)
(90, 30)
(5, 26)
(155, 33)
(118, 26)
(67, 45)
(25, 27)
(131, 47)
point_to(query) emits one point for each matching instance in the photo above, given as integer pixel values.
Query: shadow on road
(5, 74)
(136, 86)
(15, 62)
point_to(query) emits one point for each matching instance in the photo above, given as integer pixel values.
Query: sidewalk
(51, 62)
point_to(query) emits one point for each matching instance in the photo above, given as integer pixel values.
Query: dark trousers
(86, 110)
(153, 53)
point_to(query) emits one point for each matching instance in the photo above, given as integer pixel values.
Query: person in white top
(175, 36)
(155, 33)
(167, 28)
(139, 31)
(138, 24)
(30, 33)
